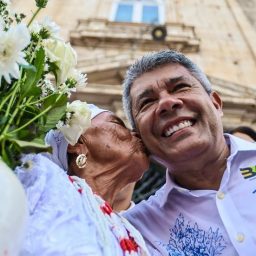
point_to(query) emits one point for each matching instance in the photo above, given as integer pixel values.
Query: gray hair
(152, 61)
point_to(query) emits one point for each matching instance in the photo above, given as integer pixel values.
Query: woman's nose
(167, 103)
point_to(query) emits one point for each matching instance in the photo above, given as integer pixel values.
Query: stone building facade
(219, 35)
(108, 35)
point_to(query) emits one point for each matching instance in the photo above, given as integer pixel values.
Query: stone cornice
(102, 33)
(234, 94)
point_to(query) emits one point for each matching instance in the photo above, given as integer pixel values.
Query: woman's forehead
(102, 118)
(107, 117)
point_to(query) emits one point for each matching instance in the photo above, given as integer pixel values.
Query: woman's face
(115, 147)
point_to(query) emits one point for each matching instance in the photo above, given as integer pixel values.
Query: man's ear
(217, 102)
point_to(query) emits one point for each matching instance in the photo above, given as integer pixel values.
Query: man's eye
(145, 103)
(180, 87)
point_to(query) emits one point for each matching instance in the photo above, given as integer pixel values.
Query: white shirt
(178, 222)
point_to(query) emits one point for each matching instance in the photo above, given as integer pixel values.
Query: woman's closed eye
(117, 120)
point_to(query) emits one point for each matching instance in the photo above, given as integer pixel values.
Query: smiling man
(208, 203)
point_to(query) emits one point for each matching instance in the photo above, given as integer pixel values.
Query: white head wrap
(96, 110)
(57, 141)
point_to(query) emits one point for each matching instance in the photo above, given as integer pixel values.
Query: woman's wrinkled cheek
(108, 146)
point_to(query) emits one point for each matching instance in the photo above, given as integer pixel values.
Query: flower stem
(13, 96)
(38, 101)
(23, 109)
(34, 15)
(32, 120)
(36, 117)
(3, 153)
(6, 98)
(3, 135)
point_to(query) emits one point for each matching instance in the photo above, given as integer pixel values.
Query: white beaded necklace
(107, 222)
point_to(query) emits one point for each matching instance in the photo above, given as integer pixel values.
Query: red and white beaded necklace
(107, 222)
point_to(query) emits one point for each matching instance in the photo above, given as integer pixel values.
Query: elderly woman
(70, 203)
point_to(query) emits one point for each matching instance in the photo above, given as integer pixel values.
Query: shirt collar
(235, 144)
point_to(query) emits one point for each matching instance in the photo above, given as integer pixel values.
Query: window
(150, 14)
(124, 12)
(146, 11)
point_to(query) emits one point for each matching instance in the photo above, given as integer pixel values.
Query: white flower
(60, 124)
(50, 26)
(12, 43)
(65, 89)
(2, 23)
(46, 67)
(79, 119)
(63, 55)
(79, 77)
(35, 27)
(47, 87)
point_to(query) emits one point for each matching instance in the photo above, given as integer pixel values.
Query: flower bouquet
(37, 76)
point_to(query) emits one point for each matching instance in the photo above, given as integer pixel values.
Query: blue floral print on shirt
(190, 240)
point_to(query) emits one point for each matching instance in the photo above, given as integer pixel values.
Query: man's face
(174, 115)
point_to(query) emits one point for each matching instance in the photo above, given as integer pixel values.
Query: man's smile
(170, 129)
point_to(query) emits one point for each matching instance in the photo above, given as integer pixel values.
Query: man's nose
(168, 102)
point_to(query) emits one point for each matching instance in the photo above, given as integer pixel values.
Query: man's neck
(202, 174)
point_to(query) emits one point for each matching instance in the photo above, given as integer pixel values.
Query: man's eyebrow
(174, 80)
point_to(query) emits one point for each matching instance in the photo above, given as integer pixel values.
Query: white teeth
(177, 127)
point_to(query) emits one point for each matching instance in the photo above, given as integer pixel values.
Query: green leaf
(7, 157)
(30, 75)
(10, 154)
(3, 120)
(28, 133)
(38, 145)
(55, 101)
(58, 104)
(33, 75)
(39, 63)
(53, 116)
(53, 67)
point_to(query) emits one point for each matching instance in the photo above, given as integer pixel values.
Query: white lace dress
(66, 217)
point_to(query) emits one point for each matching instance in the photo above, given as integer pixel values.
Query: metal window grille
(151, 181)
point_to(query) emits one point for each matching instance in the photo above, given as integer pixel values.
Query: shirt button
(220, 195)
(240, 237)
